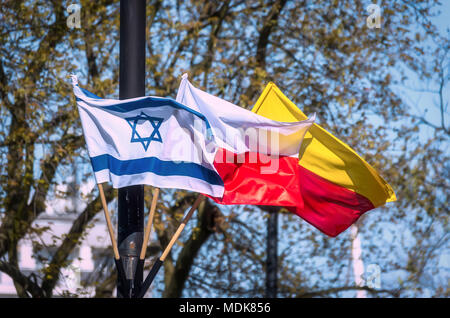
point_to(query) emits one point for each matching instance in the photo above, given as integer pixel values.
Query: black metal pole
(131, 199)
(272, 254)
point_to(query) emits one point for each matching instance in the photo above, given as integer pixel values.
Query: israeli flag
(148, 140)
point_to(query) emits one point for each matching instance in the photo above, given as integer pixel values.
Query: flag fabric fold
(257, 157)
(148, 140)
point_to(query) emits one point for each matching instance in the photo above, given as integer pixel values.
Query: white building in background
(86, 258)
(358, 264)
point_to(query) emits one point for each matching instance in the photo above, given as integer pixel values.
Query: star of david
(154, 136)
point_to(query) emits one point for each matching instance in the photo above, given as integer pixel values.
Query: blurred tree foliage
(320, 53)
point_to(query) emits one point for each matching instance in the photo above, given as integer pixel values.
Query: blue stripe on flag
(151, 102)
(89, 94)
(156, 166)
(146, 102)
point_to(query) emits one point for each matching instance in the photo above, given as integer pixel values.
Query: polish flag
(257, 158)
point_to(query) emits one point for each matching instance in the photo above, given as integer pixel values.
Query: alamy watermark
(374, 19)
(74, 19)
(372, 276)
(263, 147)
(72, 274)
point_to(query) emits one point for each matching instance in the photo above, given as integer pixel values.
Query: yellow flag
(325, 155)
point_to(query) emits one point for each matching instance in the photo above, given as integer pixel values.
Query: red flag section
(329, 207)
(245, 184)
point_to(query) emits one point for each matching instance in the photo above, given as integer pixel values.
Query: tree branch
(19, 216)
(270, 22)
(325, 292)
(72, 239)
(207, 214)
(27, 283)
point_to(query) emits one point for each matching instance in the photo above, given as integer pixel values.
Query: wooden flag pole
(108, 222)
(155, 268)
(149, 223)
(181, 227)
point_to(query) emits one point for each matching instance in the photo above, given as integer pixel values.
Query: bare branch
(27, 282)
(71, 240)
(334, 290)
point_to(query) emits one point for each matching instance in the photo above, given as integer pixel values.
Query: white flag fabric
(239, 130)
(148, 140)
